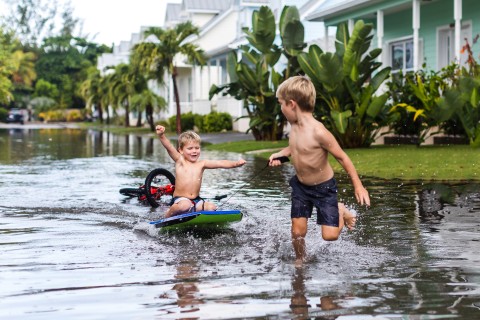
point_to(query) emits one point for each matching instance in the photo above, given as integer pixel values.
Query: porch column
(380, 27)
(325, 38)
(351, 24)
(457, 13)
(416, 27)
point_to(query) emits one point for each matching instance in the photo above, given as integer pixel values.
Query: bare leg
(178, 208)
(349, 218)
(207, 206)
(346, 218)
(299, 231)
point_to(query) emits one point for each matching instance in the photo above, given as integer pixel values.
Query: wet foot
(349, 218)
(299, 263)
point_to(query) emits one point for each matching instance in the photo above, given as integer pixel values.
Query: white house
(220, 23)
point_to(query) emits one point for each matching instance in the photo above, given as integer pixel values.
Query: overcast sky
(111, 21)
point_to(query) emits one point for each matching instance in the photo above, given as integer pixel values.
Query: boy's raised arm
(172, 151)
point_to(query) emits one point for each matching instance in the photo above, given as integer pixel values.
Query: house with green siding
(413, 34)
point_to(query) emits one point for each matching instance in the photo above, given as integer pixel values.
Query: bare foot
(349, 217)
(298, 263)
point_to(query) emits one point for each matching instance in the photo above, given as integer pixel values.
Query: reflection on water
(73, 247)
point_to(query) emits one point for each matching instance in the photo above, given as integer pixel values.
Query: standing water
(72, 247)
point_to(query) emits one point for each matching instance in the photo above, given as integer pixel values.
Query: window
(401, 55)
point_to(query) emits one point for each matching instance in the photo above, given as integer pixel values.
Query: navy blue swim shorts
(323, 196)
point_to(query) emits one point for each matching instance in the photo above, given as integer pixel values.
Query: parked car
(15, 115)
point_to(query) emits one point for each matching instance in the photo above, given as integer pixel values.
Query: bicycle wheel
(132, 192)
(159, 186)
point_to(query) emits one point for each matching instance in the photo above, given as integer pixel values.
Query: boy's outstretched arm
(172, 151)
(285, 152)
(223, 164)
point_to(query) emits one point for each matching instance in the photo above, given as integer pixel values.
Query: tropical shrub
(217, 122)
(346, 82)
(212, 122)
(54, 116)
(187, 121)
(414, 100)
(255, 78)
(464, 100)
(3, 114)
(74, 115)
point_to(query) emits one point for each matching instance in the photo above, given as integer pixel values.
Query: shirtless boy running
(189, 172)
(313, 185)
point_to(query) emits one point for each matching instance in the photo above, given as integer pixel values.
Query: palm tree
(93, 91)
(159, 56)
(149, 102)
(123, 84)
(24, 73)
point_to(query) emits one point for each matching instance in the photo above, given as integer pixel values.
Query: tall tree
(93, 91)
(32, 20)
(124, 83)
(255, 78)
(159, 56)
(149, 102)
(7, 65)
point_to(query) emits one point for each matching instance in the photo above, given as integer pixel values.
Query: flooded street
(72, 247)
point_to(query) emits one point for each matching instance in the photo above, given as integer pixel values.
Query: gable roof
(207, 6)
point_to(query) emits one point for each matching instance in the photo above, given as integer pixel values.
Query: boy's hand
(362, 196)
(160, 130)
(273, 161)
(240, 162)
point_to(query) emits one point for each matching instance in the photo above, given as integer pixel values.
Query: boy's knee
(330, 235)
(299, 232)
(208, 206)
(183, 206)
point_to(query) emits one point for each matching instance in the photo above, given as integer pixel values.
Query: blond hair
(299, 89)
(186, 137)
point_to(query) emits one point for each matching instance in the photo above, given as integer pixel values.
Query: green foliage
(415, 100)
(54, 116)
(217, 122)
(464, 99)
(3, 114)
(44, 88)
(212, 122)
(346, 83)
(255, 79)
(155, 59)
(74, 115)
(7, 65)
(42, 104)
(187, 121)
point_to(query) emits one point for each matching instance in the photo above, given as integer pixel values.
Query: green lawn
(392, 162)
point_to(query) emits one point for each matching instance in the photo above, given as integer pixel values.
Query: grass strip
(404, 162)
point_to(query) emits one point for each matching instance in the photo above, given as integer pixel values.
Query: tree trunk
(149, 116)
(177, 100)
(139, 119)
(100, 112)
(127, 115)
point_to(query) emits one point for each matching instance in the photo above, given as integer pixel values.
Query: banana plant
(254, 79)
(464, 100)
(346, 82)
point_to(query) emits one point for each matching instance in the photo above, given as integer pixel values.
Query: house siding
(398, 23)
